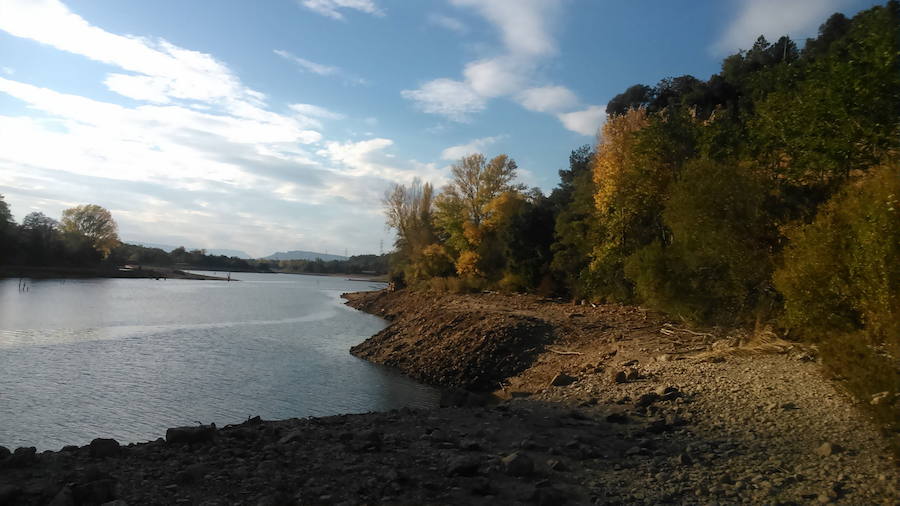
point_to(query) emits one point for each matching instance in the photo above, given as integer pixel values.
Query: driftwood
(565, 352)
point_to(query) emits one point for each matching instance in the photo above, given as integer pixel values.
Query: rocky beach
(546, 403)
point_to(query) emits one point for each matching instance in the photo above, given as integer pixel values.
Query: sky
(279, 125)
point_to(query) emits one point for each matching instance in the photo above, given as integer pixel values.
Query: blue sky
(279, 125)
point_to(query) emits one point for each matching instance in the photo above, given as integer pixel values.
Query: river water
(127, 358)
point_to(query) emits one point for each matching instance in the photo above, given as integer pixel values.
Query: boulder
(463, 465)
(22, 457)
(102, 448)
(562, 380)
(191, 434)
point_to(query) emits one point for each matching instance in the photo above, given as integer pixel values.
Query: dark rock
(520, 394)
(617, 418)
(4, 453)
(632, 374)
(518, 464)
(69, 448)
(470, 445)
(463, 465)
(562, 380)
(101, 448)
(193, 473)
(557, 465)
(548, 496)
(22, 457)
(117, 502)
(619, 377)
(646, 399)
(186, 435)
(481, 486)
(95, 492)
(658, 426)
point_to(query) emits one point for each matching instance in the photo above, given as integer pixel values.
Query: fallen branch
(565, 352)
(669, 331)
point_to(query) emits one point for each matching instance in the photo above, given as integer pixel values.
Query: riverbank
(591, 405)
(98, 272)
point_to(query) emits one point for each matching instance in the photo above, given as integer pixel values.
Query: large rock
(562, 380)
(185, 435)
(22, 457)
(102, 447)
(463, 465)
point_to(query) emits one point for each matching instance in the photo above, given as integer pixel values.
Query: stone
(880, 398)
(557, 465)
(646, 399)
(826, 449)
(463, 465)
(617, 418)
(518, 464)
(632, 374)
(95, 492)
(4, 453)
(619, 377)
(22, 457)
(562, 380)
(191, 434)
(103, 447)
(193, 473)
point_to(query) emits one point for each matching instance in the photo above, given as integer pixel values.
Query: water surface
(127, 358)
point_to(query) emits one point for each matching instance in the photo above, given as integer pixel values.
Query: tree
(7, 232)
(408, 210)
(40, 239)
(94, 223)
(468, 212)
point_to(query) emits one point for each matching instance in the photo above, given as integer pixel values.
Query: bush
(716, 266)
(841, 284)
(841, 273)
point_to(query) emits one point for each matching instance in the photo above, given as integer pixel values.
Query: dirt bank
(715, 416)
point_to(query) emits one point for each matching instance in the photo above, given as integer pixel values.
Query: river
(127, 358)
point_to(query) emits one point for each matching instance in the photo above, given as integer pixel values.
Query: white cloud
(474, 146)
(162, 71)
(584, 122)
(332, 8)
(444, 21)
(495, 77)
(316, 111)
(315, 68)
(454, 99)
(774, 18)
(8, 70)
(548, 99)
(524, 24)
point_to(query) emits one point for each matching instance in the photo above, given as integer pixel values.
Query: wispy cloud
(448, 22)
(548, 99)
(332, 8)
(320, 69)
(774, 18)
(311, 66)
(454, 99)
(473, 146)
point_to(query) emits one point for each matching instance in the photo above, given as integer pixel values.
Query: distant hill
(168, 249)
(303, 255)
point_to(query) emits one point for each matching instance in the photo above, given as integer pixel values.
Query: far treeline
(87, 237)
(767, 195)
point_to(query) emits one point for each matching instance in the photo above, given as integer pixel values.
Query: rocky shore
(547, 403)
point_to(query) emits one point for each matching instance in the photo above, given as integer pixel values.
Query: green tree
(7, 232)
(94, 223)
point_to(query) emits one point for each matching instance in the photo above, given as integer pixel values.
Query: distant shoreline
(378, 278)
(102, 272)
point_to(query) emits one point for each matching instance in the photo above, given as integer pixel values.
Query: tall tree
(93, 222)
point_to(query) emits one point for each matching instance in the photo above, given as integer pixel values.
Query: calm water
(127, 358)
